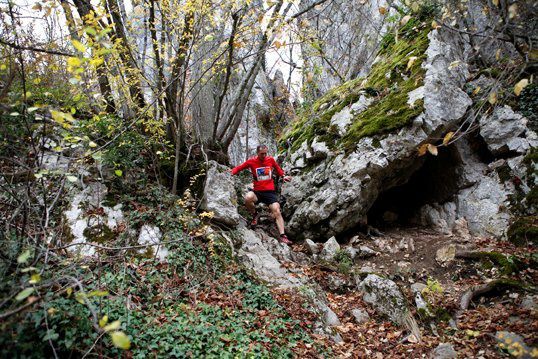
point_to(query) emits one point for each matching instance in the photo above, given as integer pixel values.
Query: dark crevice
(436, 181)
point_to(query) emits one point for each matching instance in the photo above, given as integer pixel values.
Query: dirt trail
(407, 256)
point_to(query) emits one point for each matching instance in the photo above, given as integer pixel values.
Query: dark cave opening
(436, 181)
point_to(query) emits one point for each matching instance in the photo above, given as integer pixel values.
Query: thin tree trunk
(104, 85)
(133, 78)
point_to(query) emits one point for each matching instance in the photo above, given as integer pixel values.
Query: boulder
(336, 194)
(219, 195)
(255, 256)
(385, 296)
(330, 248)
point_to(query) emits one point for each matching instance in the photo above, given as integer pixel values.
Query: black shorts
(267, 197)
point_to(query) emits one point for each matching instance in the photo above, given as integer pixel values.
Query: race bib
(263, 173)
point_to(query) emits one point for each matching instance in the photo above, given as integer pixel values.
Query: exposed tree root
(495, 286)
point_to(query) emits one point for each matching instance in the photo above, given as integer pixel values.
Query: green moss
(99, 234)
(507, 264)
(524, 231)
(390, 113)
(391, 79)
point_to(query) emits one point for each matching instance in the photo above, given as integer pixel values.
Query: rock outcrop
(342, 170)
(219, 195)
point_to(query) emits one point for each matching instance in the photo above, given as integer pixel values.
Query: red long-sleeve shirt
(262, 171)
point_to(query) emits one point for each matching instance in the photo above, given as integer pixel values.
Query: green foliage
(528, 105)
(343, 261)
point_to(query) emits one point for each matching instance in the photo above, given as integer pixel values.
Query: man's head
(261, 150)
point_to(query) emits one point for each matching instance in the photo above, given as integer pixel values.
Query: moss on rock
(396, 72)
(524, 231)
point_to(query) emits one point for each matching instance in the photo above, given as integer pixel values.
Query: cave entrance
(435, 181)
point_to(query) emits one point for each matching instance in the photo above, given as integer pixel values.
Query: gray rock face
(385, 296)
(336, 194)
(220, 196)
(443, 81)
(329, 249)
(255, 254)
(506, 131)
(444, 351)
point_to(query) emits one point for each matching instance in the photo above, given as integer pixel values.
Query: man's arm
(241, 167)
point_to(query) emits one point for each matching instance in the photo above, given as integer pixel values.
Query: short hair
(259, 147)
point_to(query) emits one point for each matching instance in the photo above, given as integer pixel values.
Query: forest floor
(407, 256)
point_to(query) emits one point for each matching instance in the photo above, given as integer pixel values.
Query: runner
(262, 167)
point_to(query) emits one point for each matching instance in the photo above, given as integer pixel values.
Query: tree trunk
(104, 85)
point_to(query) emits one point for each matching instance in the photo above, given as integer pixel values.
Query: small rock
(418, 287)
(403, 267)
(353, 240)
(366, 252)
(444, 351)
(330, 318)
(329, 249)
(361, 316)
(411, 245)
(445, 254)
(366, 269)
(311, 247)
(385, 296)
(352, 252)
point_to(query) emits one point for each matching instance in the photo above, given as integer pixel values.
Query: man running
(262, 167)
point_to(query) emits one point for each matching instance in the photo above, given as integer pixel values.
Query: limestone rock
(366, 252)
(336, 284)
(421, 303)
(385, 296)
(329, 249)
(152, 235)
(255, 256)
(85, 228)
(361, 316)
(336, 194)
(445, 254)
(220, 196)
(506, 131)
(461, 230)
(444, 351)
(311, 247)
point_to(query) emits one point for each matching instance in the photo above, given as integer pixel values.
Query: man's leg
(250, 202)
(275, 210)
